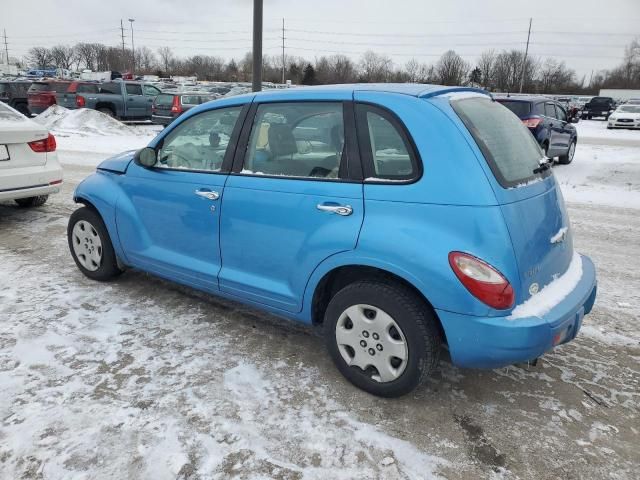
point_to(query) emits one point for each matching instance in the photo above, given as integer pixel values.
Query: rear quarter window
(507, 145)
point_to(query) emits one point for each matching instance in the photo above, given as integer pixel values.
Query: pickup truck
(123, 100)
(598, 107)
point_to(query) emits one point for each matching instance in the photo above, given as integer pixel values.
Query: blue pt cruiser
(401, 217)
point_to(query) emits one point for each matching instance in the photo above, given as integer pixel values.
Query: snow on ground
(597, 129)
(140, 378)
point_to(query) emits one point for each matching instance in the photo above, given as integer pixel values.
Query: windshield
(521, 109)
(630, 109)
(507, 145)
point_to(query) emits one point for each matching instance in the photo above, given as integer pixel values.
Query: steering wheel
(178, 160)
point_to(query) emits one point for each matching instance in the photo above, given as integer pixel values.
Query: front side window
(297, 139)
(200, 142)
(387, 152)
(561, 113)
(507, 145)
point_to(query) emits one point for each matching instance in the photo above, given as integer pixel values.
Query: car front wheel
(32, 201)
(91, 246)
(382, 337)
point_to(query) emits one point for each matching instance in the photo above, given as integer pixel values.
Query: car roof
(413, 89)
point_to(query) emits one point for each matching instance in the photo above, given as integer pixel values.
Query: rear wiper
(545, 164)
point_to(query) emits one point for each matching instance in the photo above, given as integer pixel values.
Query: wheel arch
(338, 276)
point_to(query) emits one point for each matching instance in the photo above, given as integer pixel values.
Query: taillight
(531, 122)
(80, 102)
(175, 106)
(483, 281)
(45, 145)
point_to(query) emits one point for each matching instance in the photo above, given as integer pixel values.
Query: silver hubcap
(87, 245)
(370, 339)
(572, 150)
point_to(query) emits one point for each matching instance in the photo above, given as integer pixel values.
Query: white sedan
(29, 168)
(625, 116)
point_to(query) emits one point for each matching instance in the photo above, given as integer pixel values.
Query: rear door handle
(343, 210)
(208, 194)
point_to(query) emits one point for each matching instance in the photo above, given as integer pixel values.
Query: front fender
(102, 190)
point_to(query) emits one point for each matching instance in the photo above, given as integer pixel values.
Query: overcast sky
(587, 34)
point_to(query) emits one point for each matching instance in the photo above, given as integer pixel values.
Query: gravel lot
(143, 379)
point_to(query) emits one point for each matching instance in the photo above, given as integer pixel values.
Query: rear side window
(550, 110)
(509, 148)
(111, 87)
(133, 89)
(385, 147)
(521, 109)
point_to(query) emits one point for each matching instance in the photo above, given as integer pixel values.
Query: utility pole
(526, 52)
(6, 46)
(124, 54)
(257, 46)
(133, 48)
(283, 64)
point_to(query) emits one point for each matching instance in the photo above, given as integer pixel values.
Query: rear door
(531, 203)
(290, 203)
(136, 102)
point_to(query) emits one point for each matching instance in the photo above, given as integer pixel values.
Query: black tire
(568, 157)
(23, 109)
(108, 268)
(32, 201)
(107, 111)
(412, 315)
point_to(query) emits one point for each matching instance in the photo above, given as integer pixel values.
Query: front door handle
(208, 194)
(343, 210)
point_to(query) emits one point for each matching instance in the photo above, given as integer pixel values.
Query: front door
(292, 204)
(136, 102)
(168, 219)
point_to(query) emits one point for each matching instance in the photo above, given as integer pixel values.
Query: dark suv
(599, 107)
(549, 123)
(15, 95)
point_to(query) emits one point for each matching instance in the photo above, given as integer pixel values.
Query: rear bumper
(493, 342)
(27, 182)
(162, 119)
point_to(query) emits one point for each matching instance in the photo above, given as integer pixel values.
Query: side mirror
(147, 157)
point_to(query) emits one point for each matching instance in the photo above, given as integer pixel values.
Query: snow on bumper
(492, 342)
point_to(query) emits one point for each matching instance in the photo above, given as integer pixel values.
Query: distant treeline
(494, 70)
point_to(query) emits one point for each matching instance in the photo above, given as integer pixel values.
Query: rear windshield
(164, 100)
(195, 99)
(521, 109)
(40, 87)
(509, 148)
(87, 88)
(8, 114)
(600, 100)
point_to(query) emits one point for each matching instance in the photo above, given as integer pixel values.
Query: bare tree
(40, 57)
(63, 56)
(451, 69)
(145, 59)
(485, 64)
(86, 54)
(375, 67)
(166, 58)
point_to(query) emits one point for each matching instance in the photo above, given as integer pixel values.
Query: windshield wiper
(545, 164)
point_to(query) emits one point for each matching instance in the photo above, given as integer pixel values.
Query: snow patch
(559, 236)
(552, 294)
(83, 121)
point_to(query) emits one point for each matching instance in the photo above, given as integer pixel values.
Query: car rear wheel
(568, 157)
(32, 201)
(91, 246)
(382, 337)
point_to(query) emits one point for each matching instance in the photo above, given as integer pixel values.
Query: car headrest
(281, 140)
